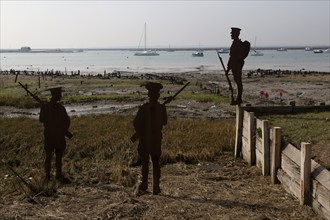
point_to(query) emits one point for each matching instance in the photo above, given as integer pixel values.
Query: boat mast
(145, 36)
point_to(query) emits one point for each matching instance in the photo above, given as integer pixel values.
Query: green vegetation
(101, 148)
(202, 97)
(307, 127)
(85, 90)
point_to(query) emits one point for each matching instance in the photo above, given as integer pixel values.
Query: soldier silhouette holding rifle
(56, 124)
(148, 124)
(238, 52)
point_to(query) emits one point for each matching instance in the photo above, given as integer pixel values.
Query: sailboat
(254, 52)
(146, 52)
(199, 52)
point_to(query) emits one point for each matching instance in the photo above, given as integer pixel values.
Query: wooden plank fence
(294, 169)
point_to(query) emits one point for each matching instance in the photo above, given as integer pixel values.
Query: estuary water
(100, 61)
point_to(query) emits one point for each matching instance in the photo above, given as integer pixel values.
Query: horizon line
(169, 48)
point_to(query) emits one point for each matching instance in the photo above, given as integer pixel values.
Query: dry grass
(101, 151)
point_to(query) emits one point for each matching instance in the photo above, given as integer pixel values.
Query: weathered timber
(239, 125)
(289, 184)
(266, 148)
(318, 208)
(321, 194)
(258, 144)
(292, 152)
(245, 131)
(291, 168)
(252, 130)
(321, 174)
(259, 158)
(305, 174)
(276, 154)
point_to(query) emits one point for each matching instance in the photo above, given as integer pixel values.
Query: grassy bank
(307, 127)
(101, 150)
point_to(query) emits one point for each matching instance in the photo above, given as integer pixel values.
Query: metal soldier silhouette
(56, 124)
(148, 124)
(238, 52)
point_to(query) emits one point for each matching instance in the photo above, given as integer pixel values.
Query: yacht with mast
(146, 52)
(254, 52)
(199, 52)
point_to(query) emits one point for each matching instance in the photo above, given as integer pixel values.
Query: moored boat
(282, 49)
(223, 51)
(198, 54)
(146, 52)
(318, 51)
(256, 53)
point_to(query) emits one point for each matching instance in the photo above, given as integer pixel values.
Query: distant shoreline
(75, 50)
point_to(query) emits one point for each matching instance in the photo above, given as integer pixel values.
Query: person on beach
(56, 124)
(148, 124)
(236, 62)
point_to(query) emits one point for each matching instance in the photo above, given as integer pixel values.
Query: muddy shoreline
(281, 89)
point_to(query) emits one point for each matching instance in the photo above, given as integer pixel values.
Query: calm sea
(178, 61)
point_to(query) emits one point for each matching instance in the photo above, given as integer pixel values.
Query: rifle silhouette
(31, 94)
(67, 133)
(135, 136)
(227, 77)
(30, 186)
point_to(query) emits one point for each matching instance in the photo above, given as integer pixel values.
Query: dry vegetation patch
(200, 179)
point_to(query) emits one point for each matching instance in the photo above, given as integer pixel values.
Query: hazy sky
(89, 24)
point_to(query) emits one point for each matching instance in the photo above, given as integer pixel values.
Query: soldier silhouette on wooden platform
(238, 52)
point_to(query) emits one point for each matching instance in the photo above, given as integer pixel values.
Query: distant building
(25, 49)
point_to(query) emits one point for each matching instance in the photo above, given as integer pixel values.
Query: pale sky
(113, 24)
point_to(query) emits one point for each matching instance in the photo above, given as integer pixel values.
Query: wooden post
(16, 77)
(276, 154)
(305, 174)
(239, 129)
(265, 148)
(252, 131)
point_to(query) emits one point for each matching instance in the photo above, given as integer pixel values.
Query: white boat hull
(198, 54)
(146, 53)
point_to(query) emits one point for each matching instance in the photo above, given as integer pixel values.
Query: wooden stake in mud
(16, 77)
(227, 77)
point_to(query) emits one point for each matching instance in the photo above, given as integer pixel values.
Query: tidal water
(100, 61)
